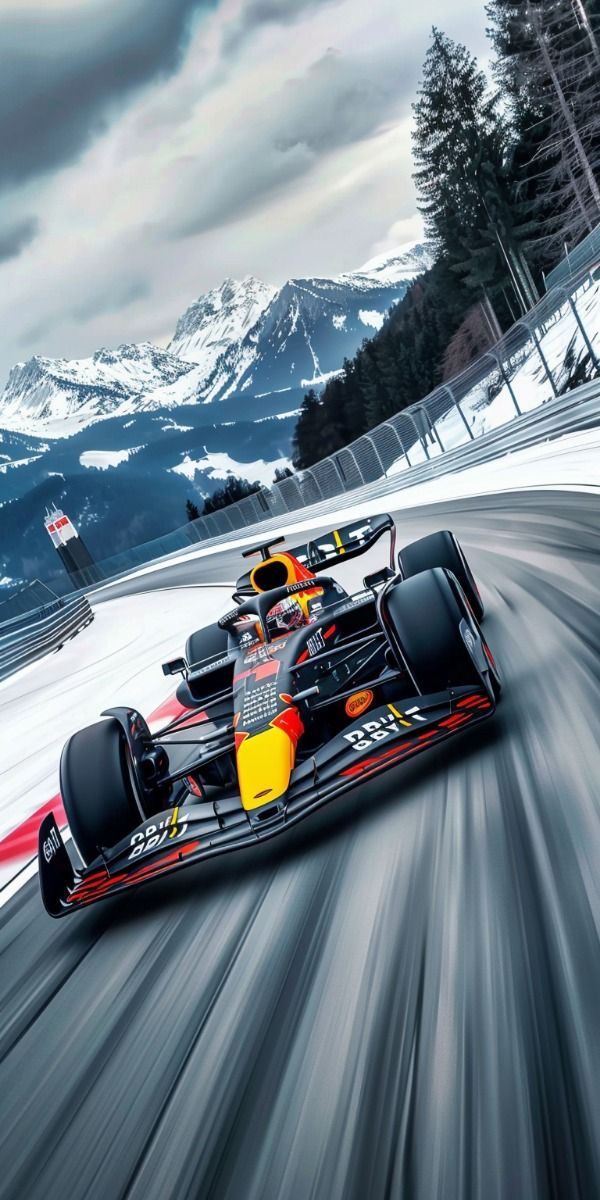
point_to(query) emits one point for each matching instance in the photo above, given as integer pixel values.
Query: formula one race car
(298, 693)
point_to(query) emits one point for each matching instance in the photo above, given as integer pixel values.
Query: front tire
(97, 788)
(442, 550)
(423, 617)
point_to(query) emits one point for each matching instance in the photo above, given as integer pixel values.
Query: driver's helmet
(285, 617)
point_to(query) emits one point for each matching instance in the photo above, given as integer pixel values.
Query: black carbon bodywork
(198, 830)
(339, 686)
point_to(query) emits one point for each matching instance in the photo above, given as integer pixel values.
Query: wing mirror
(177, 666)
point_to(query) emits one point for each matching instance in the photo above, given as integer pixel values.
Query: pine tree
(234, 489)
(306, 441)
(395, 368)
(281, 473)
(459, 145)
(192, 510)
(548, 65)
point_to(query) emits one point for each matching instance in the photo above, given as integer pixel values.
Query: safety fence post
(446, 388)
(376, 452)
(400, 442)
(584, 333)
(532, 333)
(506, 378)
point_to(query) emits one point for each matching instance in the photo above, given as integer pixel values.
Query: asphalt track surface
(399, 998)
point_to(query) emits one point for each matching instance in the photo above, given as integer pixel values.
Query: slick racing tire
(97, 788)
(442, 550)
(204, 643)
(422, 616)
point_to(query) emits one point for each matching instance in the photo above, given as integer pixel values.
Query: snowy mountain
(49, 394)
(244, 337)
(248, 337)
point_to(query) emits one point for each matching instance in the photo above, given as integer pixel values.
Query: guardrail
(578, 410)
(568, 414)
(22, 646)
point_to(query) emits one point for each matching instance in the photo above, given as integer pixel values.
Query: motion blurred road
(399, 998)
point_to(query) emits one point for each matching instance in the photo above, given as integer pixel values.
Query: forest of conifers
(507, 171)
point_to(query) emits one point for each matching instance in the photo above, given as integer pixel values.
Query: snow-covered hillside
(310, 325)
(407, 262)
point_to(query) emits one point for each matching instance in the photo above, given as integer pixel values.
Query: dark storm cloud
(14, 238)
(64, 73)
(264, 12)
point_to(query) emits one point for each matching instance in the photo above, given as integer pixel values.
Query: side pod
(56, 870)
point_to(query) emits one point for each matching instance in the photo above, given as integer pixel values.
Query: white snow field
(219, 464)
(101, 460)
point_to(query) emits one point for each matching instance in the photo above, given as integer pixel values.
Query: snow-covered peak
(221, 317)
(401, 265)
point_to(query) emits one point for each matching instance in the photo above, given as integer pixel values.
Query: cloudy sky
(150, 148)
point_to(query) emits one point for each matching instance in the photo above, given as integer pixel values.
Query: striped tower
(66, 541)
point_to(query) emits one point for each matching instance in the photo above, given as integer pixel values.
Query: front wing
(196, 830)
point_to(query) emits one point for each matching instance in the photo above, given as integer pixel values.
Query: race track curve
(397, 999)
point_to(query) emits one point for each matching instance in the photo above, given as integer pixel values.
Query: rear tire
(204, 643)
(422, 617)
(97, 789)
(442, 550)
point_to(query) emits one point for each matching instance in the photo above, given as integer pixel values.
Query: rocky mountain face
(137, 430)
(248, 337)
(219, 320)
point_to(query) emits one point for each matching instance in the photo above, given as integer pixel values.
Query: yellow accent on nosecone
(338, 541)
(265, 762)
(174, 821)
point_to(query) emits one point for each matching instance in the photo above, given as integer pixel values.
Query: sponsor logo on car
(153, 835)
(213, 666)
(380, 728)
(359, 703)
(469, 639)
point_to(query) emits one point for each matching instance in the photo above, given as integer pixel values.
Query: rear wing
(347, 542)
(337, 546)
